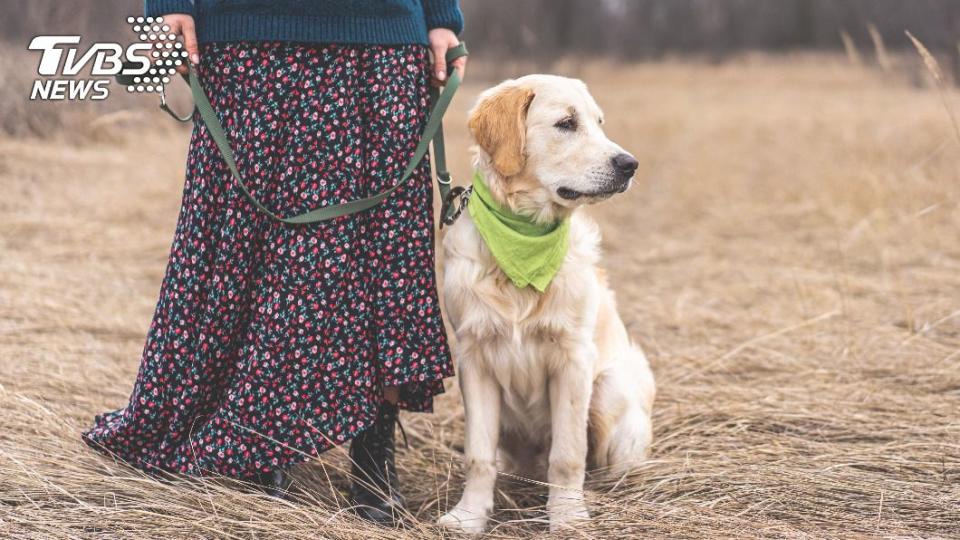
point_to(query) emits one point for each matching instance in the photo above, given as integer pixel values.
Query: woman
(272, 343)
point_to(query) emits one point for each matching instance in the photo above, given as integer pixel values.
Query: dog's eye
(567, 124)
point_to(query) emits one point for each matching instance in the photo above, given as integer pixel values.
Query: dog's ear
(499, 125)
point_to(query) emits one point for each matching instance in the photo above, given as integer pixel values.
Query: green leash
(432, 133)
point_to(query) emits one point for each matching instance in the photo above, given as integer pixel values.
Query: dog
(551, 381)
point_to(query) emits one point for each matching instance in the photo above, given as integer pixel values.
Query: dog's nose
(625, 164)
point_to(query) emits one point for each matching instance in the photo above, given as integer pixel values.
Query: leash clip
(448, 218)
(166, 108)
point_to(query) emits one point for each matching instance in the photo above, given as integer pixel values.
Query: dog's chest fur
(520, 335)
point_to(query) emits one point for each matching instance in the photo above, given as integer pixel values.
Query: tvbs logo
(147, 65)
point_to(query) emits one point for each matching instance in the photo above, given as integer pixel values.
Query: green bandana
(527, 252)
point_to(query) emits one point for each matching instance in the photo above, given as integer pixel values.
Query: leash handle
(448, 194)
(433, 132)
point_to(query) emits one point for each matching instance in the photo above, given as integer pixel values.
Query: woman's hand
(183, 26)
(442, 39)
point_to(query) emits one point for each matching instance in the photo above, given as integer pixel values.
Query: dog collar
(529, 253)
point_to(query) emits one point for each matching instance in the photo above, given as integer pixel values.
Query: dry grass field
(789, 259)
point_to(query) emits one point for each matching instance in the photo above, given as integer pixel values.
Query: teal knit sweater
(374, 22)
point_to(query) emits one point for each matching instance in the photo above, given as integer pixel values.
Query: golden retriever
(551, 381)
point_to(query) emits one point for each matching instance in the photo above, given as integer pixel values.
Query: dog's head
(543, 138)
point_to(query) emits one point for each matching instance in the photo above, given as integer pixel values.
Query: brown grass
(850, 48)
(883, 58)
(790, 261)
(933, 67)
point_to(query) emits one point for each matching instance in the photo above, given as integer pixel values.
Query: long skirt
(270, 342)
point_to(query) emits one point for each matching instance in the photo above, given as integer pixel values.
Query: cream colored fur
(551, 382)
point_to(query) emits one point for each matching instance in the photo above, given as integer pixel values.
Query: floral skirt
(271, 343)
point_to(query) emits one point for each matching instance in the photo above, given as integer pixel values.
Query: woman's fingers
(441, 40)
(183, 26)
(439, 75)
(439, 63)
(190, 40)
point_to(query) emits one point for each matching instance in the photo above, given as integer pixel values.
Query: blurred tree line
(635, 29)
(626, 29)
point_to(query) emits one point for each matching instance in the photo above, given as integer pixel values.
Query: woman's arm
(162, 8)
(178, 15)
(443, 14)
(445, 22)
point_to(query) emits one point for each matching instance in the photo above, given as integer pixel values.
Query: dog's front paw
(563, 511)
(464, 520)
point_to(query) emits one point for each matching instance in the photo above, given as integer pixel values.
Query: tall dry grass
(880, 48)
(789, 259)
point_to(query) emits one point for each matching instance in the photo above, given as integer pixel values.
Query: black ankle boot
(375, 490)
(275, 483)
